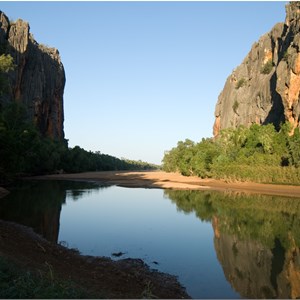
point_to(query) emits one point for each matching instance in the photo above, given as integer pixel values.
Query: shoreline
(163, 180)
(98, 276)
(135, 278)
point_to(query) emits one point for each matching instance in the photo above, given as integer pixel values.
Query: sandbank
(160, 179)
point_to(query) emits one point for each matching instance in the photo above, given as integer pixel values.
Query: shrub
(285, 56)
(235, 106)
(258, 153)
(267, 67)
(240, 83)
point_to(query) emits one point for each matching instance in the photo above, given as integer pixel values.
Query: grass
(147, 293)
(256, 173)
(16, 283)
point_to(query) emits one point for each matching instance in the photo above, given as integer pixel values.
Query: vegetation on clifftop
(258, 153)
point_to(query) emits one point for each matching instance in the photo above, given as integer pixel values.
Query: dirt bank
(159, 179)
(128, 278)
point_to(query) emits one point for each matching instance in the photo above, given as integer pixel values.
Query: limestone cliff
(38, 80)
(265, 87)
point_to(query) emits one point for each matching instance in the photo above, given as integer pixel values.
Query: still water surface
(219, 245)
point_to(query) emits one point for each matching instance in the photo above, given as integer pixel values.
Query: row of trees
(24, 151)
(258, 153)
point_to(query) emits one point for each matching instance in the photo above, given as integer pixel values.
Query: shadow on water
(256, 238)
(37, 204)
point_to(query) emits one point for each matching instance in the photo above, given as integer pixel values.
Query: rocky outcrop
(265, 88)
(38, 80)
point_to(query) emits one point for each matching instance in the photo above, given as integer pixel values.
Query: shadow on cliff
(276, 113)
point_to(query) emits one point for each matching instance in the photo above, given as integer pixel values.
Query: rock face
(38, 80)
(265, 87)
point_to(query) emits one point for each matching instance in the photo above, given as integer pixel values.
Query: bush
(285, 56)
(244, 154)
(240, 83)
(235, 106)
(267, 67)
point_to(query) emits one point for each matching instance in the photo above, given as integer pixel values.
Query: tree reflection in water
(37, 204)
(256, 238)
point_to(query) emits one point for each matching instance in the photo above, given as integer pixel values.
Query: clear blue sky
(143, 75)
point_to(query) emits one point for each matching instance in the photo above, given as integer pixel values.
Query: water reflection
(256, 238)
(37, 204)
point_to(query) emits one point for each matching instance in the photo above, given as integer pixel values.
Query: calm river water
(220, 245)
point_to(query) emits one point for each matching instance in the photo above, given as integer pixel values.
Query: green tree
(294, 148)
(6, 65)
(206, 153)
(258, 153)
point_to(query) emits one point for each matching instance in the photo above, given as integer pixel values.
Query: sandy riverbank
(160, 179)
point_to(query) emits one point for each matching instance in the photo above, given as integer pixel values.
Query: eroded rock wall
(265, 88)
(38, 80)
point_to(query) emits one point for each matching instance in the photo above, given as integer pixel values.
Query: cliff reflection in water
(256, 238)
(37, 204)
